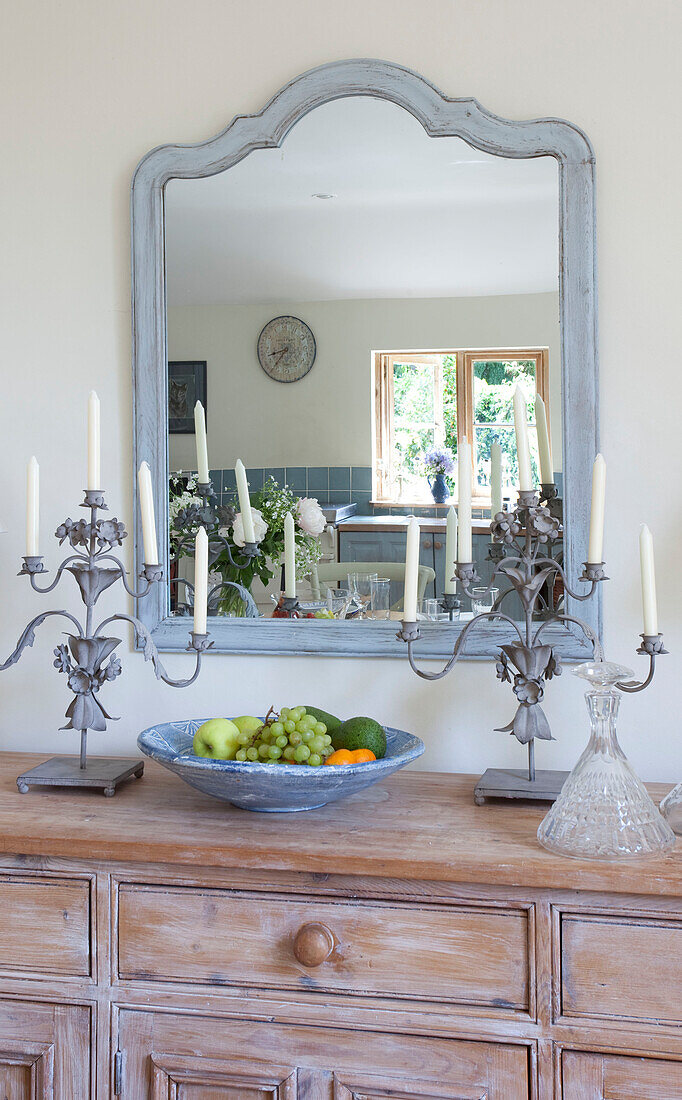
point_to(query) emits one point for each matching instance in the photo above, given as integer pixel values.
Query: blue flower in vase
(439, 462)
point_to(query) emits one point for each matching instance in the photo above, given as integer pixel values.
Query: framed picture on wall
(186, 386)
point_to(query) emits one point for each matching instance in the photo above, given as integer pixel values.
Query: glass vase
(604, 810)
(671, 808)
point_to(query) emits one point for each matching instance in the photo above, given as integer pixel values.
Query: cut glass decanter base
(604, 810)
(671, 808)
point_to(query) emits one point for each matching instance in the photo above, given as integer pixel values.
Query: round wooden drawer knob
(313, 944)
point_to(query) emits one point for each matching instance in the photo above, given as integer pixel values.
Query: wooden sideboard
(404, 944)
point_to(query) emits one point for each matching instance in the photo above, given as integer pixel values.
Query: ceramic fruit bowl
(271, 788)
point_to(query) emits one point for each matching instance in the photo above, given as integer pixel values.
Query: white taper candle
(411, 571)
(522, 445)
(244, 501)
(495, 478)
(94, 472)
(151, 546)
(289, 556)
(32, 508)
(544, 449)
(596, 543)
(646, 561)
(464, 543)
(200, 581)
(450, 551)
(202, 446)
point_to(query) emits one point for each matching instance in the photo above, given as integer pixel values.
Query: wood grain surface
(414, 826)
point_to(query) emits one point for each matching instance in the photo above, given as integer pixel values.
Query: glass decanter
(671, 808)
(604, 810)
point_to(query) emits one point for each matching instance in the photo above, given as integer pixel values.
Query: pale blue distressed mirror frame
(440, 116)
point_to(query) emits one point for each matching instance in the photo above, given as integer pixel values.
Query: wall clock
(286, 349)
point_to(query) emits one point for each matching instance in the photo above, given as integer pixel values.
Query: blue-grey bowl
(270, 788)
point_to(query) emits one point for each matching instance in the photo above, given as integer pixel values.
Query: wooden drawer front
(45, 925)
(586, 1076)
(469, 955)
(627, 967)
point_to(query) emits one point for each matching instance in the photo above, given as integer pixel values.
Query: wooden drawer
(621, 966)
(469, 955)
(45, 925)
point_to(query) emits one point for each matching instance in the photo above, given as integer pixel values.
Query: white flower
(310, 516)
(260, 527)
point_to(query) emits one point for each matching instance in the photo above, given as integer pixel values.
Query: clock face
(286, 349)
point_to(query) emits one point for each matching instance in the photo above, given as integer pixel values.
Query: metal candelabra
(88, 659)
(526, 662)
(209, 516)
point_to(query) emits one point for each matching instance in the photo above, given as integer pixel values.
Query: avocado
(360, 733)
(329, 720)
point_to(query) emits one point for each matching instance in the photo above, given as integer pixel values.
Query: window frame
(383, 410)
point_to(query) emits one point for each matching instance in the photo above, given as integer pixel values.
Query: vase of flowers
(439, 463)
(269, 507)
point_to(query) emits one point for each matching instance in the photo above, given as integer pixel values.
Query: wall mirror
(356, 277)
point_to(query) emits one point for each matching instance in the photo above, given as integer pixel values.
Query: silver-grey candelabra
(87, 658)
(519, 540)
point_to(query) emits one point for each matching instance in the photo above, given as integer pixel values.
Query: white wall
(89, 87)
(251, 417)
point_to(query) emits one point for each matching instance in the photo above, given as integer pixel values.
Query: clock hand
(282, 352)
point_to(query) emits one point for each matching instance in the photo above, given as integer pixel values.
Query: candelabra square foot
(103, 773)
(514, 783)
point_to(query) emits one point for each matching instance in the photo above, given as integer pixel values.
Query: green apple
(217, 739)
(246, 724)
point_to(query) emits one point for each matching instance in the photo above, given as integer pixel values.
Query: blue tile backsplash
(330, 484)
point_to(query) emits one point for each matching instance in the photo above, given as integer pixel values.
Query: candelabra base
(514, 783)
(104, 773)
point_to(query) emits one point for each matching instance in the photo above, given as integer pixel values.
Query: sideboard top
(416, 825)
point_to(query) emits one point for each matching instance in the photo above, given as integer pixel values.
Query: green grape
(307, 736)
(320, 728)
(317, 744)
(297, 713)
(308, 721)
(295, 738)
(289, 752)
(252, 753)
(284, 714)
(240, 754)
(244, 739)
(263, 751)
(314, 760)
(289, 725)
(274, 752)
(277, 729)
(264, 738)
(327, 739)
(282, 741)
(302, 753)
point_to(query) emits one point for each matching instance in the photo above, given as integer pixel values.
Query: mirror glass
(347, 308)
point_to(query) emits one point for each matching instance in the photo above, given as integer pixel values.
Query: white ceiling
(412, 217)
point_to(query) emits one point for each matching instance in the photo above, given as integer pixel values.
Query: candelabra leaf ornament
(602, 810)
(87, 658)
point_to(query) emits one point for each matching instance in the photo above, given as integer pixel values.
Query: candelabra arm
(458, 644)
(32, 572)
(28, 635)
(652, 646)
(198, 643)
(592, 574)
(252, 611)
(151, 574)
(590, 634)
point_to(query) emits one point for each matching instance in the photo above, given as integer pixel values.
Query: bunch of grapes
(293, 737)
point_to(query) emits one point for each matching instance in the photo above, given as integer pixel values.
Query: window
(422, 399)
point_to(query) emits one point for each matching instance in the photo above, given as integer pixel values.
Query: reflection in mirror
(348, 308)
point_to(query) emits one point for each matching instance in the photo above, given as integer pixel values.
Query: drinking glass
(381, 598)
(483, 599)
(430, 610)
(360, 585)
(338, 601)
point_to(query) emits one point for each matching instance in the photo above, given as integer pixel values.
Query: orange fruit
(362, 756)
(341, 756)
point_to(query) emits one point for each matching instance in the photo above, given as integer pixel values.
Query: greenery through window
(427, 399)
